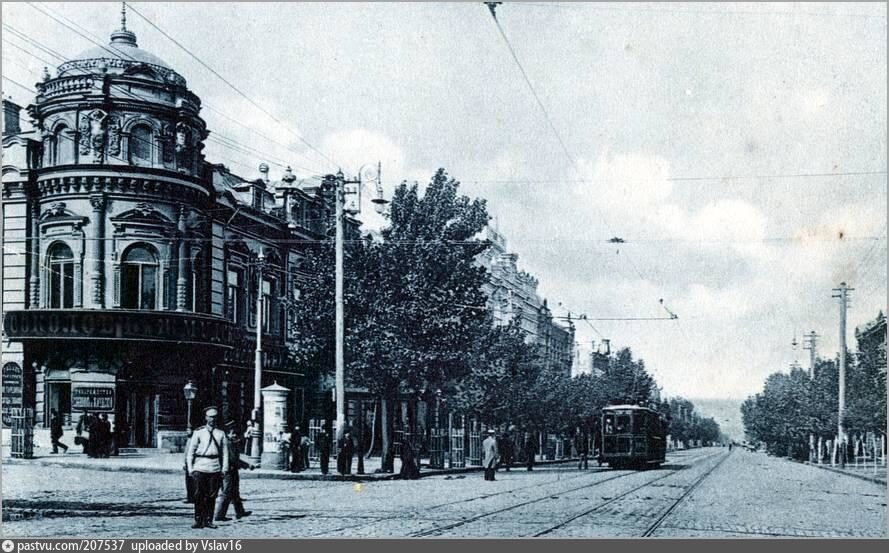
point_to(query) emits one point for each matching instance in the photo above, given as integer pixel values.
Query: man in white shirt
(208, 460)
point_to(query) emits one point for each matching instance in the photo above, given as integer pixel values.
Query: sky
(739, 150)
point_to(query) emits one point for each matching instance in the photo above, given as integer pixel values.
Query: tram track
(660, 520)
(627, 493)
(457, 524)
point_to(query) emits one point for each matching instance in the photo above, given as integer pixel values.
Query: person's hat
(491, 431)
(211, 411)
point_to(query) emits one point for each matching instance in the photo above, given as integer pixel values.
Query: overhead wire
(117, 52)
(235, 88)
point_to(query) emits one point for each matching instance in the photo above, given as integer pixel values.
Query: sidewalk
(862, 472)
(158, 461)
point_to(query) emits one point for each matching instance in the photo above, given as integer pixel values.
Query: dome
(120, 56)
(123, 47)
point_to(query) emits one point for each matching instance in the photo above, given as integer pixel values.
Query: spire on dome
(122, 35)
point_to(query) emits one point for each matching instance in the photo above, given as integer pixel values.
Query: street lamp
(257, 362)
(340, 183)
(190, 391)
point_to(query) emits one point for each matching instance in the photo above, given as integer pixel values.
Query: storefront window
(61, 277)
(139, 279)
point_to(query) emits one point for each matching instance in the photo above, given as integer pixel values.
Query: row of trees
(792, 407)
(415, 319)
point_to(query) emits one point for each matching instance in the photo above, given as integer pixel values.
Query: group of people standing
(93, 433)
(212, 464)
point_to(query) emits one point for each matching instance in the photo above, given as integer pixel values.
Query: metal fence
(22, 434)
(438, 444)
(458, 443)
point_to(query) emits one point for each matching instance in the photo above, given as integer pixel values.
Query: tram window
(623, 423)
(609, 424)
(639, 425)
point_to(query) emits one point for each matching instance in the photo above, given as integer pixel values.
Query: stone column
(34, 250)
(181, 281)
(95, 249)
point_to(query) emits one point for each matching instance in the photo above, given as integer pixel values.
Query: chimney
(11, 118)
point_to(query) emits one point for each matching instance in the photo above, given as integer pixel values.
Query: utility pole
(795, 344)
(340, 183)
(339, 200)
(811, 344)
(257, 363)
(842, 293)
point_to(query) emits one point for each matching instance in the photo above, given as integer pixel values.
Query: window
(62, 146)
(268, 305)
(234, 296)
(197, 283)
(139, 279)
(61, 277)
(140, 145)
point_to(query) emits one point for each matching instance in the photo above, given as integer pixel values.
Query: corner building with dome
(131, 264)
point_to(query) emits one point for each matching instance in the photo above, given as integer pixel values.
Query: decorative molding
(189, 192)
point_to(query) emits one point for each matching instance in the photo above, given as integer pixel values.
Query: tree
(414, 306)
(503, 368)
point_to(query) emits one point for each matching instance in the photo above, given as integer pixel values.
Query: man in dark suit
(55, 432)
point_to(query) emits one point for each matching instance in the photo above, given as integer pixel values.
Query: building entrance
(138, 416)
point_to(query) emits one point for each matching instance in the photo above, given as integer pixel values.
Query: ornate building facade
(512, 296)
(131, 264)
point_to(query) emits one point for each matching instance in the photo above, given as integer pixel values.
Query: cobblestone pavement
(746, 494)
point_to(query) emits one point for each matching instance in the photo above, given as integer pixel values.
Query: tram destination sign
(92, 398)
(118, 325)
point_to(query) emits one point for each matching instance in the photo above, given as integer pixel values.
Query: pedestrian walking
(581, 445)
(189, 480)
(530, 449)
(231, 480)
(208, 460)
(56, 432)
(323, 441)
(296, 456)
(489, 450)
(344, 455)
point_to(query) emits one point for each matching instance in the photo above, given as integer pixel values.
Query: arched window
(61, 277)
(63, 146)
(140, 145)
(139, 279)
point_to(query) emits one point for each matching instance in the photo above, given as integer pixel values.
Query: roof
(628, 406)
(120, 55)
(122, 46)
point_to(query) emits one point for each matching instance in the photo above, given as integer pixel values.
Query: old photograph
(444, 270)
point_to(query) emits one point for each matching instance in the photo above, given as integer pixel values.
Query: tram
(633, 437)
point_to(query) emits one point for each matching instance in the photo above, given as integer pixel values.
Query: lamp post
(340, 183)
(190, 391)
(257, 364)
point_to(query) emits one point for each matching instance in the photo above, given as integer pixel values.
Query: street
(697, 493)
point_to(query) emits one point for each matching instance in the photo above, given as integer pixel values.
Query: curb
(248, 474)
(873, 479)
